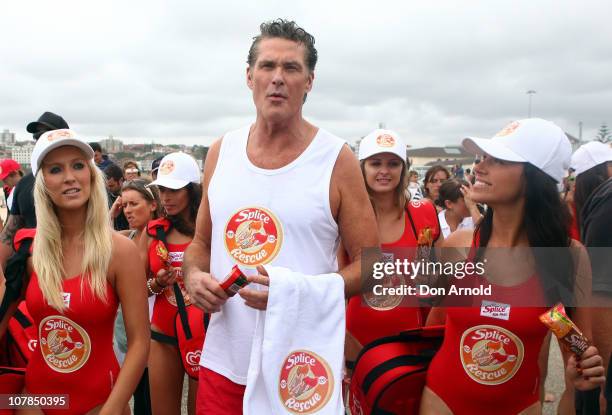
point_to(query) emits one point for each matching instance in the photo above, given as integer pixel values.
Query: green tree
(603, 134)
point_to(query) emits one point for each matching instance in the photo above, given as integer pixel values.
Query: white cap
(382, 141)
(590, 155)
(54, 139)
(533, 140)
(177, 170)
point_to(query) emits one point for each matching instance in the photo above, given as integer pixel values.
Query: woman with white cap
(80, 270)
(162, 247)
(495, 348)
(402, 226)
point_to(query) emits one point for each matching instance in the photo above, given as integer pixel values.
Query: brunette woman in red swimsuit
(401, 223)
(178, 181)
(495, 351)
(78, 274)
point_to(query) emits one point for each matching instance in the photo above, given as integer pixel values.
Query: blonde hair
(47, 255)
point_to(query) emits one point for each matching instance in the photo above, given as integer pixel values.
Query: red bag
(23, 337)
(190, 335)
(389, 374)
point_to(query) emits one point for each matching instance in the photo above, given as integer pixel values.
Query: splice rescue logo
(491, 355)
(253, 236)
(508, 129)
(385, 140)
(306, 382)
(386, 302)
(65, 346)
(166, 168)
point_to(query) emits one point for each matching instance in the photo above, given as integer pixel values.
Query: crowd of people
(126, 280)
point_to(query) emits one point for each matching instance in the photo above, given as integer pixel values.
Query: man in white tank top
(281, 192)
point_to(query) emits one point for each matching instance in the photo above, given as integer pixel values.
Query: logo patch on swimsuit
(386, 302)
(169, 291)
(491, 355)
(508, 129)
(385, 140)
(253, 236)
(65, 345)
(306, 382)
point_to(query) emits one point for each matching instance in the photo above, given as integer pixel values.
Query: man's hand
(587, 372)
(205, 292)
(253, 298)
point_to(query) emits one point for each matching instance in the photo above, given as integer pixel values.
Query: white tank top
(280, 217)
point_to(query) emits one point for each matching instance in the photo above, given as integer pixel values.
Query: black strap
(16, 267)
(22, 319)
(178, 295)
(163, 338)
(381, 369)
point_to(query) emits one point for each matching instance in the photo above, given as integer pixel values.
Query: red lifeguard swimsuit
(371, 318)
(74, 354)
(165, 308)
(488, 362)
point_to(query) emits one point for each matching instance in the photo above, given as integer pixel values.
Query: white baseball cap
(177, 170)
(382, 141)
(57, 138)
(590, 155)
(533, 140)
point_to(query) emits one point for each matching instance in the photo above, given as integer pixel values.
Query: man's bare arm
(355, 216)
(13, 224)
(204, 291)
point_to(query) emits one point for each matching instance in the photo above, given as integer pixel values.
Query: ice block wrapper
(162, 254)
(234, 281)
(566, 331)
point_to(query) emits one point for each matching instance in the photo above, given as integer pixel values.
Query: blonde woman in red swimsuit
(79, 272)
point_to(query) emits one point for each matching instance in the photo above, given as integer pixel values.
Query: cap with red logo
(57, 138)
(533, 140)
(7, 166)
(177, 170)
(382, 141)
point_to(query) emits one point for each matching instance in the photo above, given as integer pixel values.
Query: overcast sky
(432, 71)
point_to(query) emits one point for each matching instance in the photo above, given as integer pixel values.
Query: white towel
(298, 346)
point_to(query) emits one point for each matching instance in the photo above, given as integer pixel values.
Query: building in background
(22, 153)
(7, 137)
(111, 145)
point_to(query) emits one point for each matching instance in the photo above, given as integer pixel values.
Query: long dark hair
(546, 220)
(187, 227)
(586, 183)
